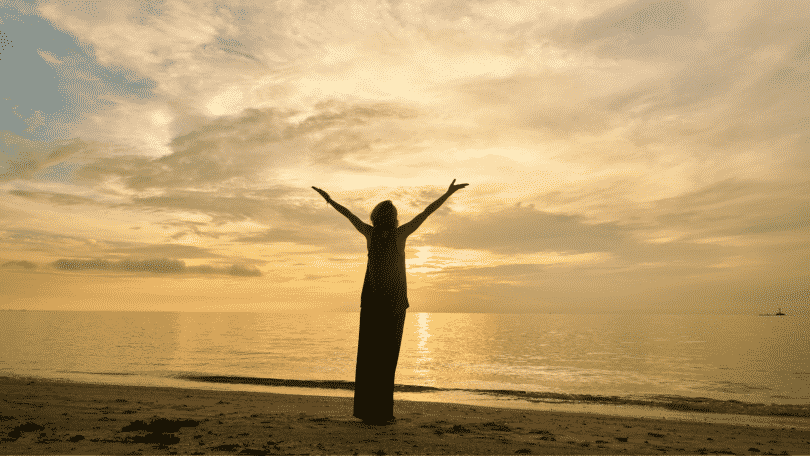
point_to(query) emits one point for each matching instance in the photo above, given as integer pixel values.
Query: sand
(52, 417)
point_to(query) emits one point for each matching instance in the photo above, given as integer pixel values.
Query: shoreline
(668, 402)
(48, 416)
(683, 408)
(643, 406)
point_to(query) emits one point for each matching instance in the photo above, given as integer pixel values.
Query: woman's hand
(453, 188)
(326, 195)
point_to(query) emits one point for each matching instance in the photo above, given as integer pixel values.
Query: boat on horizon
(778, 313)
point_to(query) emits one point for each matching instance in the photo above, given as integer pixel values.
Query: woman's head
(384, 215)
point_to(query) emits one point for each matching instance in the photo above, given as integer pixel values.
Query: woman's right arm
(362, 227)
(414, 224)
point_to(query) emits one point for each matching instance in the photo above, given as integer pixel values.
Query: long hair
(384, 216)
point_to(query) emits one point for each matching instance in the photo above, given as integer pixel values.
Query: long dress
(382, 318)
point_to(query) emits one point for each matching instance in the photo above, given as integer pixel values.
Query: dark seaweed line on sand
(679, 403)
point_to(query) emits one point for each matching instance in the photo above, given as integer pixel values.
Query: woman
(382, 305)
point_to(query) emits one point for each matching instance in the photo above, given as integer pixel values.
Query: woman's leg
(399, 327)
(377, 358)
(370, 391)
(363, 371)
(394, 343)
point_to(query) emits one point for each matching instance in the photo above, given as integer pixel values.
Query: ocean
(452, 357)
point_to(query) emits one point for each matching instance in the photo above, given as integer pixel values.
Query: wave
(95, 373)
(325, 384)
(671, 402)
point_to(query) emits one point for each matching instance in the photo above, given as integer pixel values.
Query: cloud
(165, 250)
(60, 199)
(158, 266)
(726, 93)
(220, 205)
(710, 231)
(22, 157)
(661, 141)
(297, 212)
(517, 272)
(660, 72)
(274, 235)
(40, 242)
(706, 206)
(640, 29)
(736, 207)
(192, 228)
(523, 229)
(156, 39)
(559, 105)
(54, 245)
(20, 264)
(162, 265)
(240, 149)
(794, 219)
(341, 130)
(56, 77)
(81, 74)
(234, 270)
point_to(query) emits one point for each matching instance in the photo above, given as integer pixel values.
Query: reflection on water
(90, 341)
(751, 359)
(423, 353)
(726, 357)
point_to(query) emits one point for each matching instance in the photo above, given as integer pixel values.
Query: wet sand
(51, 417)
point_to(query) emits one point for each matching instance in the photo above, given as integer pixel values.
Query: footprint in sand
(16, 433)
(159, 431)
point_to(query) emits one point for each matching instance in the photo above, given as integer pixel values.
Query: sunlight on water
(745, 358)
(423, 331)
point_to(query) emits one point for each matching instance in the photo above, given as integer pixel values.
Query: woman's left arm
(362, 227)
(411, 226)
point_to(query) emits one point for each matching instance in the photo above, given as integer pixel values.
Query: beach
(40, 416)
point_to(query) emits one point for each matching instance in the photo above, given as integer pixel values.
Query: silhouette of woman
(382, 305)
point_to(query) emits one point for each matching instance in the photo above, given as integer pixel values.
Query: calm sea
(744, 358)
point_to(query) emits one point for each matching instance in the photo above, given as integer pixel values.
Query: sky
(622, 156)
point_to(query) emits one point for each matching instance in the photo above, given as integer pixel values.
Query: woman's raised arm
(362, 227)
(411, 226)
